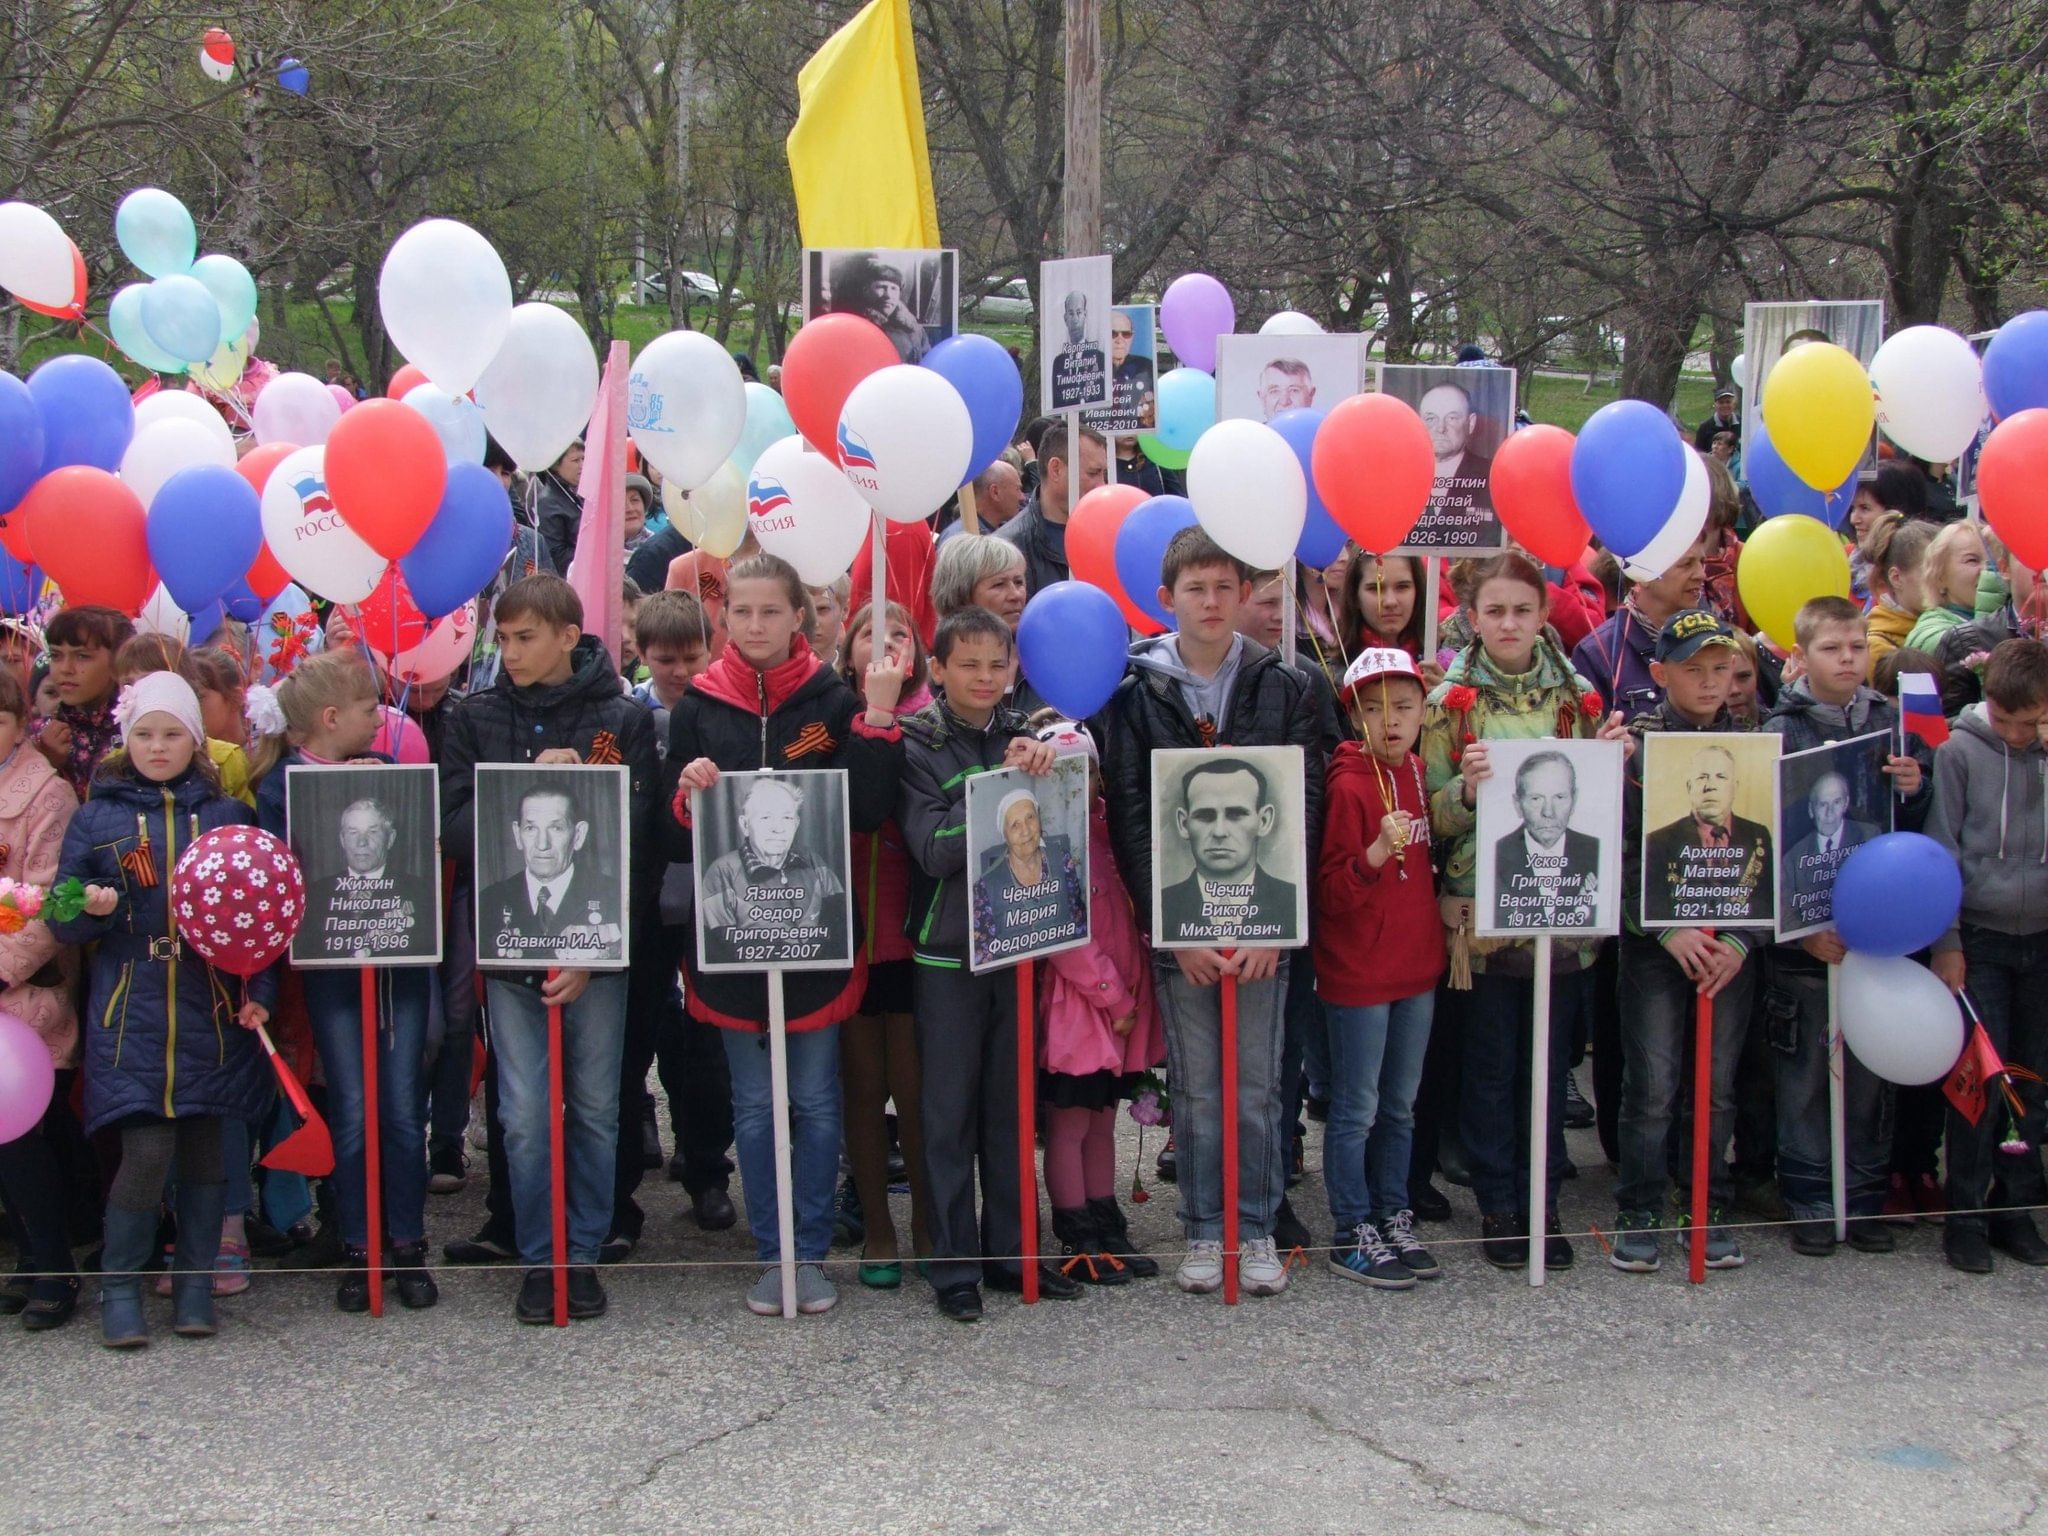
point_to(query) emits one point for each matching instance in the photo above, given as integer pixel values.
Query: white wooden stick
(1838, 1109)
(1539, 1113)
(1287, 613)
(785, 1183)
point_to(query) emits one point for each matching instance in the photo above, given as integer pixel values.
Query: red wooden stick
(558, 1210)
(1027, 1104)
(1702, 1128)
(1230, 1222)
(373, 1151)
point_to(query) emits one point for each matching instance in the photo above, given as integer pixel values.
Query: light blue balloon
(181, 317)
(124, 319)
(768, 422)
(233, 289)
(1187, 407)
(155, 232)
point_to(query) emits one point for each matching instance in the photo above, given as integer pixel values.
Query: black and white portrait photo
(773, 860)
(1133, 372)
(1027, 855)
(366, 836)
(1771, 330)
(1229, 848)
(914, 296)
(1549, 839)
(1258, 377)
(1468, 413)
(1073, 333)
(1832, 799)
(551, 866)
(1709, 803)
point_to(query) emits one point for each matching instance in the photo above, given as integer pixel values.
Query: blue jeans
(1376, 1054)
(1194, 1062)
(334, 1004)
(593, 1036)
(1659, 1006)
(1497, 1029)
(451, 1031)
(1796, 1019)
(2008, 977)
(814, 1120)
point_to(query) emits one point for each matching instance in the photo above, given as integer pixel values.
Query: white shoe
(1202, 1270)
(1259, 1267)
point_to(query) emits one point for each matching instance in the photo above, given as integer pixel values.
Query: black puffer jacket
(941, 752)
(558, 515)
(1271, 705)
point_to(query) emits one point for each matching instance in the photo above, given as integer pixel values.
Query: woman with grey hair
(979, 571)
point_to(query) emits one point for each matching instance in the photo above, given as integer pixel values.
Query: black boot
(1114, 1233)
(416, 1288)
(353, 1293)
(130, 1240)
(200, 1208)
(1081, 1246)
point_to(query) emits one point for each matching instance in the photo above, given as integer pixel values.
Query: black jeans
(694, 1074)
(32, 1188)
(967, 1047)
(1498, 1029)
(2007, 976)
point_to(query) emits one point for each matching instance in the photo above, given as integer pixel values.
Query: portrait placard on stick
(1027, 856)
(773, 855)
(1133, 372)
(1258, 377)
(1073, 333)
(1549, 839)
(368, 836)
(914, 296)
(1229, 848)
(1469, 413)
(1709, 804)
(551, 878)
(1831, 800)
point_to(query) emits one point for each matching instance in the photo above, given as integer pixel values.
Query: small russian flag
(1920, 707)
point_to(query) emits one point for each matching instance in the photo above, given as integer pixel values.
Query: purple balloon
(986, 377)
(1141, 546)
(27, 1078)
(1194, 311)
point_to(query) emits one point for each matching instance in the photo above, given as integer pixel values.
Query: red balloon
(1532, 492)
(1374, 468)
(14, 533)
(266, 577)
(388, 619)
(75, 310)
(238, 896)
(85, 529)
(1091, 547)
(386, 470)
(406, 378)
(2012, 485)
(826, 358)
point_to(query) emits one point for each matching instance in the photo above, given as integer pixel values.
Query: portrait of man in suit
(1227, 816)
(1711, 865)
(1832, 800)
(558, 909)
(364, 835)
(1546, 875)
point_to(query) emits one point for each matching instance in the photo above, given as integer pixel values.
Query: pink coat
(1086, 990)
(35, 808)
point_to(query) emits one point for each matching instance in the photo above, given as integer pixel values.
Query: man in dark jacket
(1726, 418)
(557, 700)
(1040, 530)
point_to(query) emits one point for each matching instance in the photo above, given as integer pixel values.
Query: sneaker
(481, 1249)
(1289, 1232)
(849, 1225)
(1637, 1248)
(1168, 1165)
(1399, 1232)
(617, 1248)
(1428, 1202)
(1259, 1267)
(1363, 1256)
(1723, 1252)
(1578, 1113)
(814, 1293)
(448, 1171)
(765, 1299)
(1201, 1271)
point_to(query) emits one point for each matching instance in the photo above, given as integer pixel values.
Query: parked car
(1008, 301)
(700, 288)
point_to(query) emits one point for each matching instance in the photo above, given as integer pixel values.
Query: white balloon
(538, 391)
(167, 446)
(161, 616)
(1680, 529)
(307, 535)
(1930, 392)
(1249, 492)
(35, 256)
(1738, 371)
(802, 508)
(446, 301)
(183, 405)
(686, 405)
(1899, 1018)
(1290, 322)
(904, 440)
(455, 420)
(295, 408)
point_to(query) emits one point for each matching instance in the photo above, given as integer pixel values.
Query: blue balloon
(87, 416)
(465, 543)
(293, 76)
(155, 231)
(21, 441)
(2016, 364)
(1779, 491)
(131, 335)
(20, 586)
(1186, 401)
(768, 422)
(182, 316)
(1897, 893)
(1628, 467)
(986, 377)
(242, 603)
(1141, 547)
(204, 623)
(1321, 539)
(1072, 641)
(205, 526)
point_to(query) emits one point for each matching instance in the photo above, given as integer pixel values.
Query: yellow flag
(857, 153)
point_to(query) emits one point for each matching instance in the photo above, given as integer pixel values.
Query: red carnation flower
(1460, 699)
(1590, 705)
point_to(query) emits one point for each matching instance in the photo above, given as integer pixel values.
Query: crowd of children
(1397, 1025)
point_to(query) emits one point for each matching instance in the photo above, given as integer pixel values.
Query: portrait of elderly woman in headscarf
(865, 284)
(1029, 894)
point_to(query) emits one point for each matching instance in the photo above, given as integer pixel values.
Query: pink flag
(598, 569)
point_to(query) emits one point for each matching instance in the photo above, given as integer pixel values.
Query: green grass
(1566, 402)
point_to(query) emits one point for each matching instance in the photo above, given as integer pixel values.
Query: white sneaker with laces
(1201, 1271)
(1260, 1269)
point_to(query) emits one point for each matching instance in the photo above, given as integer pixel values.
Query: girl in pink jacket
(1098, 1032)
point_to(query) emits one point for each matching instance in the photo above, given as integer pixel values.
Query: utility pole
(1082, 201)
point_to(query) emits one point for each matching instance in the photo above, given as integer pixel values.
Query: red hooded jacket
(1378, 935)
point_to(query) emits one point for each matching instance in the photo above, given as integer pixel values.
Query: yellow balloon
(1820, 411)
(721, 507)
(1790, 560)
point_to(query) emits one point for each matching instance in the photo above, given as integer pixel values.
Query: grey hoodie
(1208, 698)
(1991, 812)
